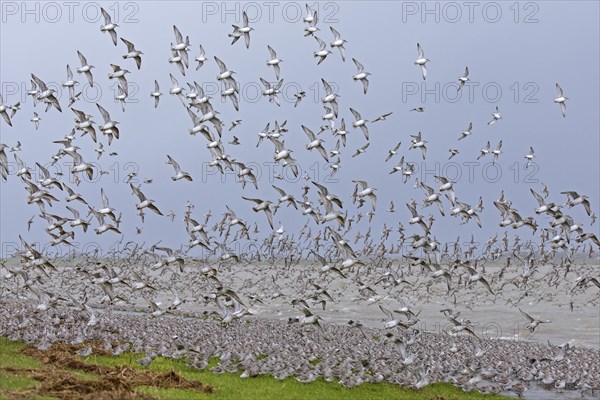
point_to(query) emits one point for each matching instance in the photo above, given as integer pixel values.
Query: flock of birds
(415, 265)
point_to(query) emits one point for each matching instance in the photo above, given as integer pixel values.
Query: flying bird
(156, 94)
(533, 322)
(495, 116)
(338, 42)
(361, 75)
(561, 100)
(274, 62)
(133, 53)
(109, 26)
(322, 53)
(463, 79)
(421, 60)
(85, 68)
(179, 174)
(4, 111)
(315, 143)
(529, 157)
(201, 59)
(243, 31)
(262, 205)
(360, 122)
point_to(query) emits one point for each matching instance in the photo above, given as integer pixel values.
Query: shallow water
(537, 393)
(490, 317)
(579, 327)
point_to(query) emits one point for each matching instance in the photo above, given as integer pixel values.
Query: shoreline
(405, 357)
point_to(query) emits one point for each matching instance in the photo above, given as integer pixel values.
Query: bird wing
(309, 133)
(130, 46)
(178, 36)
(323, 153)
(105, 114)
(527, 315)
(221, 64)
(362, 184)
(420, 51)
(81, 59)
(174, 164)
(387, 312)
(104, 198)
(321, 43)
(281, 192)
(106, 16)
(359, 66)
(356, 114)
(336, 34)
(257, 201)
(539, 198)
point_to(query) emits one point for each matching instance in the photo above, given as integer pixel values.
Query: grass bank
(59, 373)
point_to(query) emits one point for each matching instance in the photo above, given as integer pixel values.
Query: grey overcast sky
(516, 53)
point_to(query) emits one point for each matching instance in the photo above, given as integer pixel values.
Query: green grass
(11, 381)
(11, 357)
(227, 386)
